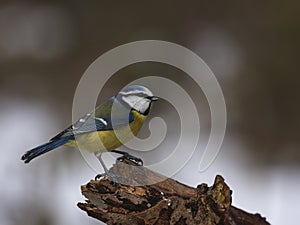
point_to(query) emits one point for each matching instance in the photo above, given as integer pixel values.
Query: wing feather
(100, 120)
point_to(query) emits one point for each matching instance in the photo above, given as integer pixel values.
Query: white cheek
(138, 103)
(132, 101)
(144, 106)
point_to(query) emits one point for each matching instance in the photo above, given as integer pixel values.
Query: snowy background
(252, 48)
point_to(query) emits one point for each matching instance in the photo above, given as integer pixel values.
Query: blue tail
(35, 152)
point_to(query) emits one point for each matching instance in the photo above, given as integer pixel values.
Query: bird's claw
(98, 176)
(126, 156)
(137, 161)
(115, 179)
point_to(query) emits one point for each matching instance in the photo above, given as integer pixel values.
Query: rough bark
(146, 198)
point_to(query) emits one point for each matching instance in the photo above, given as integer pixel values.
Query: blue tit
(130, 108)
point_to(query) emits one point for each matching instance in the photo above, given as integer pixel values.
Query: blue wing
(100, 120)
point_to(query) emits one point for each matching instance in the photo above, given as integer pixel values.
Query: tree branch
(153, 199)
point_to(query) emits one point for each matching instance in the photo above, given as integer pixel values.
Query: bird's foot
(115, 179)
(126, 156)
(99, 176)
(137, 161)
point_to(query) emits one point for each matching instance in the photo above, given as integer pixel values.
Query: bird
(108, 122)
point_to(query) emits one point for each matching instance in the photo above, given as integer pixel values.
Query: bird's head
(137, 97)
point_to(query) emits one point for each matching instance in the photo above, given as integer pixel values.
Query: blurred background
(251, 46)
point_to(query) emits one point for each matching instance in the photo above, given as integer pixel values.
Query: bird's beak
(154, 98)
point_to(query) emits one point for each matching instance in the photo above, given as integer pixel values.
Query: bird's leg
(126, 155)
(98, 155)
(114, 178)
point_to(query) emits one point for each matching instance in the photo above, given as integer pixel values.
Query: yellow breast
(100, 141)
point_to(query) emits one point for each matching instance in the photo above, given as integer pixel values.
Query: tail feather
(35, 152)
